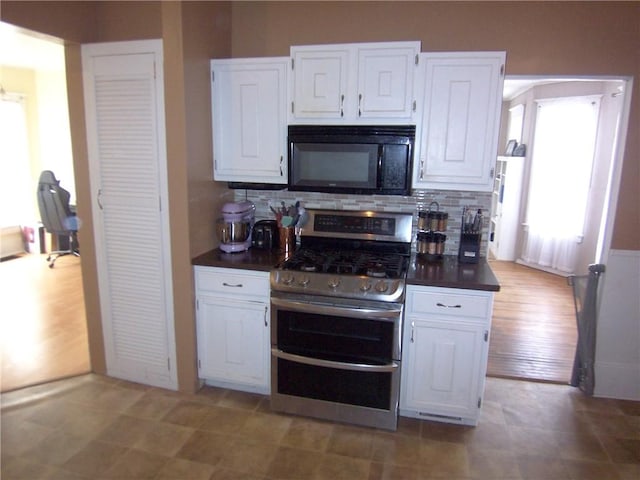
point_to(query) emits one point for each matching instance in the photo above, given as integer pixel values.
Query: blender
(235, 225)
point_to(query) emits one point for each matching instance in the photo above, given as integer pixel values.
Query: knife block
(469, 251)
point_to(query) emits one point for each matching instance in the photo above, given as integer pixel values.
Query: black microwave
(367, 159)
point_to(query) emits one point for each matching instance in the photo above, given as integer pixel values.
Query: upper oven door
(333, 331)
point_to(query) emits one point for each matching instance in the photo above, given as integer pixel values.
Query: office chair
(56, 215)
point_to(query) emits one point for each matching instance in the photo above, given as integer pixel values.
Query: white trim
(606, 227)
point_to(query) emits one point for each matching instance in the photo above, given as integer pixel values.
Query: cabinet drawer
(229, 281)
(448, 302)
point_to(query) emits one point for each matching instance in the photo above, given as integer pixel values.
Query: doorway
(43, 320)
(547, 329)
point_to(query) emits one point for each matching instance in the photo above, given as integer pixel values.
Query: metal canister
(423, 222)
(433, 220)
(443, 218)
(439, 240)
(422, 244)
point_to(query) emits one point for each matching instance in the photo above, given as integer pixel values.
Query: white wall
(53, 119)
(617, 365)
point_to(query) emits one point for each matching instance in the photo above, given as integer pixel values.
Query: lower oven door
(336, 359)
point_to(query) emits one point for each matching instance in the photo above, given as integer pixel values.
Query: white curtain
(562, 160)
(17, 193)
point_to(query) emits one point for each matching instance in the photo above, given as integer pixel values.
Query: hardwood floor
(43, 334)
(534, 331)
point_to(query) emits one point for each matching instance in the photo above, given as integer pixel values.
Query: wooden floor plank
(534, 329)
(43, 328)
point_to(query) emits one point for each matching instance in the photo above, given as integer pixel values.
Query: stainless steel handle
(358, 367)
(448, 306)
(328, 309)
(237, 285)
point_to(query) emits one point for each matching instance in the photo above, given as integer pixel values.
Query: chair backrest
(53, 202)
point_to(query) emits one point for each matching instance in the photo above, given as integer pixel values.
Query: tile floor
(93, 427)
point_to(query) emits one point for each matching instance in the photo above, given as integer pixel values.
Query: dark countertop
(447, 272)
(252, 259)
(450, 273)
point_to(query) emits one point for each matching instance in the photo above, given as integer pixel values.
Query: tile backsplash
(451, 202)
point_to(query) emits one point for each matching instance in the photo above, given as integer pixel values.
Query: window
(562, 160)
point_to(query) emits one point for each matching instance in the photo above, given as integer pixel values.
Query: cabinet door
(320, 79)
(233, 342)
(385, 81)
(442, 367)
(124, 107)
(249, 120)
(460, 121)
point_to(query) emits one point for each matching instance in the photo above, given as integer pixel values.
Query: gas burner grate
(347, 262)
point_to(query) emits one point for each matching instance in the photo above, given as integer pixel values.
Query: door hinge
(492, 172)
(154, 70)
(292, 63)
(486, 335)
(292, 107)
(479, 402)
(414, 106)
(213, 76)
(199, 364)
(417, 58)
(168, 364)
(197, 304)
(502, 69)
(159, 203)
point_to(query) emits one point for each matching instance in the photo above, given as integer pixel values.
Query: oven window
(334, 164)
(367, 389)
(341, 339)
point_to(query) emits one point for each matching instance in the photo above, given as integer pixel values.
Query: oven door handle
(359, 367)
(328, 309)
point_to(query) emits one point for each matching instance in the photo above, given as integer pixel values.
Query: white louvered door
(124, 103)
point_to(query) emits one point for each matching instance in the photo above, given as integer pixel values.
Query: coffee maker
(235, 226)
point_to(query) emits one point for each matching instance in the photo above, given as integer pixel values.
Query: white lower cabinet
(445, 348)
(233, 333)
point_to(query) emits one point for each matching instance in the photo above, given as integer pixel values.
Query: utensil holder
(287, 237)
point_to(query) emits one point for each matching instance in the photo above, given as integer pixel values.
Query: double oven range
(336, 311)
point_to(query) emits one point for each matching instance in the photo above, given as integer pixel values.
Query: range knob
(365, 286)
(304, 281)
(286, 278)
(333, 282)
(381, 287)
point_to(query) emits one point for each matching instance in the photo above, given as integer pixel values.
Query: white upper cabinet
(354, 83)
(460, 120)
(248, 99)
(319, 81)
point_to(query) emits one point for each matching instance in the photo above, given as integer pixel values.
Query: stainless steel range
(336, 310)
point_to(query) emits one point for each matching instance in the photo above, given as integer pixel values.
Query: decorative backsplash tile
(451, 202)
